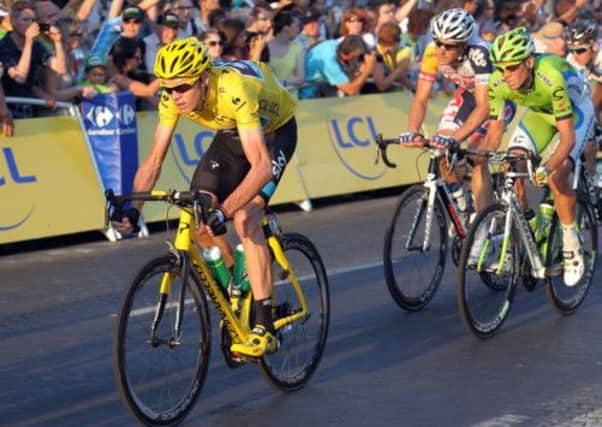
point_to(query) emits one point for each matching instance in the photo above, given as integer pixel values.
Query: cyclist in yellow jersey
(256, 137)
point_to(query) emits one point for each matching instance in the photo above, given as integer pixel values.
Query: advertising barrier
(49, 184)
(48, 181)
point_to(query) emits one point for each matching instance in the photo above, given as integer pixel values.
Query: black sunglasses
(579, 50)
(447, 46)
(213, 43)
(179, 89)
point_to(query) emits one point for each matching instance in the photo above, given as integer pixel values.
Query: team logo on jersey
(558, 94)
(544, 78)
(478, 57)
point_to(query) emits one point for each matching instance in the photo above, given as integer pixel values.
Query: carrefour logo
(187, 156)
(13, 179)
(352, 140)
(101, 116)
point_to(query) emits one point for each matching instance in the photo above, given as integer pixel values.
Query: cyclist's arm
(478, 115)
(597, 96)
(566, 131)
(260, 172)
(419, 103)
(149, 171)
(495, 132)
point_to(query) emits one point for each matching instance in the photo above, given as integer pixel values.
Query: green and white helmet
(513, 46)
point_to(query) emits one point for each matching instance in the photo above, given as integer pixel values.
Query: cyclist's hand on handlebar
(126, 221)
(445, 142)
(411, 139)
(216, 222)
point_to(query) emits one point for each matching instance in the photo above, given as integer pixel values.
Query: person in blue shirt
(337, 66)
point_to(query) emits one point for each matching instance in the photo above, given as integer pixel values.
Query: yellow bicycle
(162, 339)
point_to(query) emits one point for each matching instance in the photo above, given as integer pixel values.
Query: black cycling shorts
(224, 165)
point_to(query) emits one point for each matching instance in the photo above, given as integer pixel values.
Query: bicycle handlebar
(494, 157)
(189, 199)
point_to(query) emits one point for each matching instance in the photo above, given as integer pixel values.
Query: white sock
(570, 239)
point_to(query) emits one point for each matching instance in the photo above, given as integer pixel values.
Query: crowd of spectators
(65, 50)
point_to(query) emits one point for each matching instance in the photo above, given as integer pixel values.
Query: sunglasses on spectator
(213, 43)
(353, 19)
(76, 35)
(579, 50)
(447, 46)
(510, 68)
(179, 89)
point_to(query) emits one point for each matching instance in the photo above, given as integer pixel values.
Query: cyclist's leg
(533, 134)
(455, 113)
(281, 146)
(481, 182)
(559, 181)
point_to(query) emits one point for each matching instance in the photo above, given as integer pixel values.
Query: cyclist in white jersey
(463, 59)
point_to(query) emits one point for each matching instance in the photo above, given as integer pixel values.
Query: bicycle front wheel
(483, 307)
(302, 342)
(160, 380)
(414, 268)
(567, 299)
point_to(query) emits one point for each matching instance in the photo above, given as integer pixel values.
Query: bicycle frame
(436, 185)
(237, 324)
(514, 214)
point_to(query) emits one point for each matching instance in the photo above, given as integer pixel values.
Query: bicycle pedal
(554, 270)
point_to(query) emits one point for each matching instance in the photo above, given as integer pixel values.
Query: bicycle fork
(183, 260)
(526, 237)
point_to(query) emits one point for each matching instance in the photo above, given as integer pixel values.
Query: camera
(44, 28)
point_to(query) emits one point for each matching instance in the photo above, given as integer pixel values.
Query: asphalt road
(381, 365)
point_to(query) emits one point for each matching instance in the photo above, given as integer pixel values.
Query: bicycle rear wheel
(484, 308)
(567, 299)
(413, 274)
(160, 383)
(301, 343)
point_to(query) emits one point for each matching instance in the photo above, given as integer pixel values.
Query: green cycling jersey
(556, 87)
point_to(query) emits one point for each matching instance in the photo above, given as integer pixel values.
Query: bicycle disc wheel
(483, 308)
(302, 342)
(567, 299)
(412, 273)
(160, 383)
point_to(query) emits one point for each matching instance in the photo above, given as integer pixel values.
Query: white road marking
(506, 420)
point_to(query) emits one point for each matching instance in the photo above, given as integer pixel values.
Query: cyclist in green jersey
(557, 102)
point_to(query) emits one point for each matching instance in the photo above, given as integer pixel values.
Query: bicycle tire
(139, 373)
(566, 299)
(292, 365)
(471, 294)
(399, 277)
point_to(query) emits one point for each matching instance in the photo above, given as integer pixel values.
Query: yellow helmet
(182, 58)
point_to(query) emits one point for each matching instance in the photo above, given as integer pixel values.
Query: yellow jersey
(241, 95)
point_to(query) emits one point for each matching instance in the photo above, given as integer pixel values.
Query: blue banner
(110, 121)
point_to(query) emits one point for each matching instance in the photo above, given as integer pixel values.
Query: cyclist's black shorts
(224, 165)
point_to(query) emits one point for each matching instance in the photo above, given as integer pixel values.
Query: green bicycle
(501, 244)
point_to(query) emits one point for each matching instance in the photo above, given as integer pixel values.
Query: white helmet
(454, 25)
